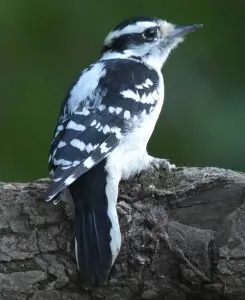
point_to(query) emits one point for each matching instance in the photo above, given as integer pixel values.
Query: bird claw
(159, 163)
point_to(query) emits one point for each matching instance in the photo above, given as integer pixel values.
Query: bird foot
(159, 163)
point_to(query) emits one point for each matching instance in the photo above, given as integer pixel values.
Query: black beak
(180, 31)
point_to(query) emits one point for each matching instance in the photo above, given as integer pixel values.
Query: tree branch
(183, 238)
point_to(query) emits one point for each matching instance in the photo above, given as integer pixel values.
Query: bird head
(148, 39)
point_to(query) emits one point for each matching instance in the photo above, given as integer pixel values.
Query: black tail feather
(92, 226)
(93, 251)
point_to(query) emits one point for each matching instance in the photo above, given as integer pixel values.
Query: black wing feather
(96, 156)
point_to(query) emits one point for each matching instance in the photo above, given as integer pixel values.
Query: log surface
(183, 238)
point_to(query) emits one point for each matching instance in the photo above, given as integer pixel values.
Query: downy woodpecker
(102, 133)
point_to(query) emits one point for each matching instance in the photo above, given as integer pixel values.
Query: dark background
(45, 44)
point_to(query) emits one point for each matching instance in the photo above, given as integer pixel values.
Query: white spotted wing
(96, 115)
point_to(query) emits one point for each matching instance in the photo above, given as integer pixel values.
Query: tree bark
(183, 239)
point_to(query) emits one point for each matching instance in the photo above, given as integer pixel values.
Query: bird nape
(102, 134)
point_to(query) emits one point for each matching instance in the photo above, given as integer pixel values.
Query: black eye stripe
(124, 41)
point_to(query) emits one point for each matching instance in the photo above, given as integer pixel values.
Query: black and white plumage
(102, 135)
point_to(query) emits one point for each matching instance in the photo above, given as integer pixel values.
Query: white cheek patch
(139, 50)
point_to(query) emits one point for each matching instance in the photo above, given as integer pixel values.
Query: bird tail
(97, 232)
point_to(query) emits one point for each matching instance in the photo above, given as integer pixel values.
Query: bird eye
(150, 33)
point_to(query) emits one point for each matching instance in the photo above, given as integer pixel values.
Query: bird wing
(89, 129)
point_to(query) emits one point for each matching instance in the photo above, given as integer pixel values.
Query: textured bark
(183, 238)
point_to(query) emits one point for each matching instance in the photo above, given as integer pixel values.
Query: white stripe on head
(138, 27)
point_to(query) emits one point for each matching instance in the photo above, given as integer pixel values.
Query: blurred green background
(45, 44)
